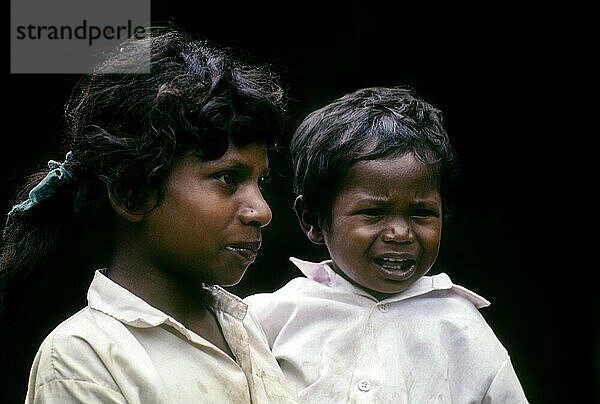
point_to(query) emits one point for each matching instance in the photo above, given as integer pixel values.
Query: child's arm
(505, 387)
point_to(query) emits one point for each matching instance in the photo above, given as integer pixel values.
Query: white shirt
(119, 349)
(428, 344)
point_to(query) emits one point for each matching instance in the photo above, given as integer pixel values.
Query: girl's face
(207, 227)
(386, 224)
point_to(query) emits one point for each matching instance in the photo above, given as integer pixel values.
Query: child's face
(386, 224)
(208, 225)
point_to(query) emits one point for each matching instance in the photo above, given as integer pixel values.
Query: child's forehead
(404, 170)
(408, 163)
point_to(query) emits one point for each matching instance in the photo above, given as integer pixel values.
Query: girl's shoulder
(80, 335)
(75, 350)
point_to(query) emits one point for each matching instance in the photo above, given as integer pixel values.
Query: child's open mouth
(396, 268)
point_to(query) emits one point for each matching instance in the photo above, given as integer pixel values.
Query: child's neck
(377, 295)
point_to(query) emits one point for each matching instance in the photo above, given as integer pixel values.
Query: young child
(169, 163)
(371, 172)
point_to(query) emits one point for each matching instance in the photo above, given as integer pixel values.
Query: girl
(165, 166)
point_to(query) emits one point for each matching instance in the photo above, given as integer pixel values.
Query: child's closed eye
(371, 212)
(424, 213)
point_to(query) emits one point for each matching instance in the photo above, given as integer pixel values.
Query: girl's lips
(245, 250)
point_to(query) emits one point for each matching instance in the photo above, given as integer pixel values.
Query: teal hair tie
(57, 176)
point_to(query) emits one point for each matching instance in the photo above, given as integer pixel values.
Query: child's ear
(124, 208)
(310, 221)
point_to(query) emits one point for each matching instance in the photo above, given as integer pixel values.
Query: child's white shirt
(428, 344)
(120, 349)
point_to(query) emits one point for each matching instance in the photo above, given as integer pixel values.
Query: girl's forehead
(255, 153)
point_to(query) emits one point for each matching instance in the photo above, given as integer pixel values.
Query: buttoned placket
(362, 383)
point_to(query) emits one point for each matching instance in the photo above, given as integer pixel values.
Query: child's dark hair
(126, 129)
(368, 124)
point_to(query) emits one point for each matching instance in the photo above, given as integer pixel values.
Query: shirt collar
(114, 300)
(322, 273)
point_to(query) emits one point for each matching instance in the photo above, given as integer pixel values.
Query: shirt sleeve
(73, 391)
(505, 388)
(68, 369)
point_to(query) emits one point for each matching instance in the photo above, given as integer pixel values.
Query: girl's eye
(228, 178)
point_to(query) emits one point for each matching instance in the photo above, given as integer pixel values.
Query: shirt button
(384, 307)
(364, 385)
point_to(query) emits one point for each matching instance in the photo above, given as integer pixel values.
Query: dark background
(510, 81)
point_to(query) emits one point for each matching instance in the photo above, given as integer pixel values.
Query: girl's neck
(188, 304)
(185, 301)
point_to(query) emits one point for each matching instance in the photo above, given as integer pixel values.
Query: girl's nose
(256, 212)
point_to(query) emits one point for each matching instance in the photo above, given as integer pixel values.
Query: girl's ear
(310, 221)
(124, 209)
